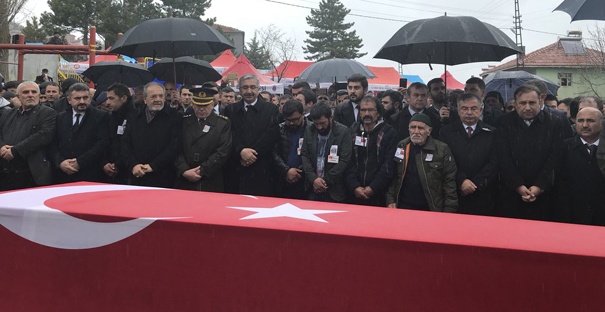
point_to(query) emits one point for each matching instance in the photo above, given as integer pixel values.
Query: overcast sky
(383, 18)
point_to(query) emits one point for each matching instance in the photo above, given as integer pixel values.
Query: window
(564, 79)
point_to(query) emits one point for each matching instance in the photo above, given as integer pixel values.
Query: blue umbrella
(506, 82)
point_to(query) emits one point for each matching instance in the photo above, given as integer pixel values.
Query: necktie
(77, 123)
(592, 148)
(469, 130)
(356, 109)
(248, 107)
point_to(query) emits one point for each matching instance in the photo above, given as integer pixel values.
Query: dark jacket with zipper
(372, 162)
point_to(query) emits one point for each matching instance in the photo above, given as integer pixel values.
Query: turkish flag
(97, 247)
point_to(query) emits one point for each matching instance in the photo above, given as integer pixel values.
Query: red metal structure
(23, 49)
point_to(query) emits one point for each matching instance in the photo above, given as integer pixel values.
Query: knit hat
(422, 118)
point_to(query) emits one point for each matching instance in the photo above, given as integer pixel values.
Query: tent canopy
(226, 59)
(289, 69)
(451, 82)
(242, 66)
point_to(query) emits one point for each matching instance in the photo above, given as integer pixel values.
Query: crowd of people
(422, 147)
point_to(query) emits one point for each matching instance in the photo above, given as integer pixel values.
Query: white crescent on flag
(25, 214)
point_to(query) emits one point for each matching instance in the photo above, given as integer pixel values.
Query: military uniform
(206, 143)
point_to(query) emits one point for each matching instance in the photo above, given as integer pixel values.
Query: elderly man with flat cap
(206, 140)
(426, 171)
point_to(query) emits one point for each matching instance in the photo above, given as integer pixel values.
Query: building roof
(226, 29)
(566, 52)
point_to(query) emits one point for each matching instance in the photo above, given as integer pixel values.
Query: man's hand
(138, 171)
(247, 156)
(193, 174)
(368, 191)
(147, 168)
(293, 175)
(359, 193)
(535, 191)
(6, 152)
(320, 186)
(467, 187)
(110, 169)
(525, 194)
(67, 166)
(392, 205)
(444, 112)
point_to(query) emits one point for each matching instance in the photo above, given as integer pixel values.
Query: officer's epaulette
(224, 117)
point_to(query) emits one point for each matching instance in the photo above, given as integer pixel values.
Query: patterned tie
(469, 130)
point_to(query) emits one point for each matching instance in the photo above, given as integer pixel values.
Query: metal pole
(20, 59)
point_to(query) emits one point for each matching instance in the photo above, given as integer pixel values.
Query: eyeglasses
(293, 120)
(252, 87)
(367, 110)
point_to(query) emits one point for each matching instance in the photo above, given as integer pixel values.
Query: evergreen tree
(33, 31)
(186, 8)
(257, 54)
(330, 36)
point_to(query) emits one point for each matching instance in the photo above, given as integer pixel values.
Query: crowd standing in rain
(419, 147)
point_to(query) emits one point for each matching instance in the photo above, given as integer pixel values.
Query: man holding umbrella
(206, 145)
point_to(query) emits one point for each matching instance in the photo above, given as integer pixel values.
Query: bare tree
(281, 47)
(593, 67)
(10, 9)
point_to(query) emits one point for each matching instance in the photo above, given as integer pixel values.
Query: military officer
(206, 140)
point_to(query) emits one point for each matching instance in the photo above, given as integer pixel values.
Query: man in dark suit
(121, 106)
(326, 153)
(476, 86)
(416, 95)
(255, 129)
(206, 141)
(567, 131)
(473, 144)
(347, 112)
(581, 184)
(82, 139)
(151, 141)
(529, 142)
(25, 134)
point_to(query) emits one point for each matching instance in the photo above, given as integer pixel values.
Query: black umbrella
(506, 82)
(171, 37)
(106, 73)
(448, 40)
(334, 70)
(185, 69)
(583, 9)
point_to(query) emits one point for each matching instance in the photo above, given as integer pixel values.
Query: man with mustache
(255, 129)
(372, 166)
(426, 172)
(326, 153)
(82, 138)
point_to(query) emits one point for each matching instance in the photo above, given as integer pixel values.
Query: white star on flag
(285, 210)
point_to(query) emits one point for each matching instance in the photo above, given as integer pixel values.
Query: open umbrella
(583, 9)
(506, 82)
(171, 37)
(106, 73)
(334, 70)
(185, 69)
(447, 40)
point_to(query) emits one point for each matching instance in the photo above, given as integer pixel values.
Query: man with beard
(25, 134)
(528, 144)
(82, 138)
(417, 95)
(372, 166)
(426, 171)
(255, 129)
(121, 106)
(326, 153)
(207, 141)
(151, 141)
(391, 102)
(172, 95)
(287, 152)
(581, 184)
(440, 106)
(473, 145)
(347, 113)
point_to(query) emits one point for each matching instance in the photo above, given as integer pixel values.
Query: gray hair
(79, 86)
(153, 83)
(27, 83)
(247, 77)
